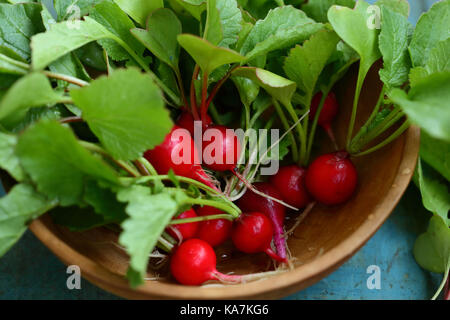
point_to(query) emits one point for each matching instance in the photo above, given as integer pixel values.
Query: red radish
(329, 111)
(163, 157)
(185, 230)
(253, 233)
(186, 121)
(220, 139)
(290, 181)
(215, 232)
(194, 262)
(252, 202)
(332, 178)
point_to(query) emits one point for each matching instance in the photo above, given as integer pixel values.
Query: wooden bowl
(324, 241)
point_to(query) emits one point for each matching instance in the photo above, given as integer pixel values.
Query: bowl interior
(322, 242)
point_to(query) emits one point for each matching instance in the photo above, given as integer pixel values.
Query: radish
(215, 232)
(194, 262)
(186, 121)
(220, 139)
(252, 233)
(252, 202)
(290, 181)
(162, 158)
(329, 111)
(331, 178)
(184, 231)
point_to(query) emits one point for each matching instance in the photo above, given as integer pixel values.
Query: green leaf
(160, 38)
(206, 55)
(304, 64)
(432, 249)
(431, 28)
(438, 61)
(125, 111)
(118, 23)
(140, 10)
(393, 42)
(69, 65)
(11, 66)
(21, 205)
(148, 217)
(223, 22)
(73, 9)
(18, 23)
(282, 28)
(278, 87)
(353, 26)
(194, 7)
(33, 90)
(439, 58)
(248, 90)
(104, 202)
(63, 38)
(434, 190)
(427, 104)
(58, 164)
(8, 158)
(318, 9)
(436, 153)
(399, 6)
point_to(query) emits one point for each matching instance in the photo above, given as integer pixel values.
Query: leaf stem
(391, 138)
(300, 131)
(325, 93)
(216, 204)
(122, 164)
(202, 218)
(295, 155)
(204, 108)
(71, 119)
(70, 79)
(361, 75)
(181, 86)
(194, 107)
(364, 129)
(441, 286)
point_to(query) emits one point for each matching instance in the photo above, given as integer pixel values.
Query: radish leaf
(318, 9)
(18, 23)
(149, 215)
(21, 205)
(432, 249)
(118, 23)
(282, 27)
(206, 55)
(278, 87)
(223, 22)
(126, 106)
(436, 153)
(427, 104)
(393, 42)
(15, 104)
(50, 154)
(431, 28)
(160, 37)
(139, 10)
(304, 64)
(8, 158)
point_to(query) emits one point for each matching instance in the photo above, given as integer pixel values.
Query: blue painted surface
(31, 271)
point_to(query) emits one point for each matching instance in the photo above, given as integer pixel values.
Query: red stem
(71, 119)
(446, 290)
(216, 275)
(194, 106)
(330, 133)
(217, 87)
(204, 108)
(274, 256)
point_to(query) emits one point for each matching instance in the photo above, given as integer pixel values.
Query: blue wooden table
(31, 271)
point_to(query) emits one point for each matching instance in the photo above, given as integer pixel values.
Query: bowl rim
(276, 286)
